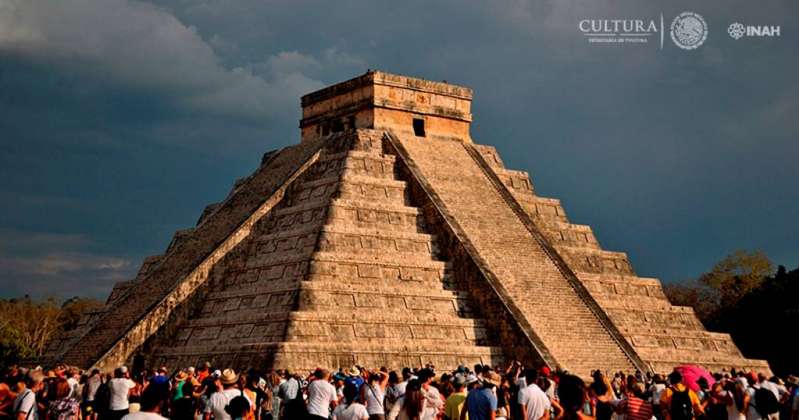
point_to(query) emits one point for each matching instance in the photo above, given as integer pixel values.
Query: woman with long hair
(351, 409)
(572, 395)
(411, 405)
(63, 406)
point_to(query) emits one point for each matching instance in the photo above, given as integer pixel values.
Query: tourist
(410, 406)
(655, 392)
(184, 407)
(481, 403)
(153, 399)
(6, 401)
(504, 398)
(63, 405)
(88, 393)
(454, 403)
(572, 396)
(394, 393)
(678, 402)
(238, 408)
(351, 409)
(534, 403)
(322, 396)
(602, 396)
(220, 400)
(635, 406)
(119, 388)
(433, 402)
(373, 393)
(391, 396)
(290, 393)
(25, 405)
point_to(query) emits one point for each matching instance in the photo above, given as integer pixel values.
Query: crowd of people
(513, 392)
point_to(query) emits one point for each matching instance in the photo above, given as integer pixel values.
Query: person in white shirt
(374, 394)
(433, 402)
(321, 395)
(152, 401)
(25, 407)
(351, 409)
(534, 402)
(220, 400)
(119, 387)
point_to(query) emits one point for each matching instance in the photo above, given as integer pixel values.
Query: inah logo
(736, 30)
(688, 30)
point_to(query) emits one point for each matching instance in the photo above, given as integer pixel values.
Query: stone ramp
(560, 317)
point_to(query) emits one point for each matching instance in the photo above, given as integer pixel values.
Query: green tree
(737, 275)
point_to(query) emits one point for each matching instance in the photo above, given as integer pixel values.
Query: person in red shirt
(635, 406)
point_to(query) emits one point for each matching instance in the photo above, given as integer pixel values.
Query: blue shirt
(480, 403)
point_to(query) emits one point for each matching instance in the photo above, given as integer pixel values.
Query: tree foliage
(27, 325)
(743, 296)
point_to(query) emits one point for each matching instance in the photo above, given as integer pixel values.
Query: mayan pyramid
(387, 237)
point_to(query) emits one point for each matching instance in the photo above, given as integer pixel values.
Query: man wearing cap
(533, 402)
(220, 400)
(454, 404)
(120, 388)
(481, 403)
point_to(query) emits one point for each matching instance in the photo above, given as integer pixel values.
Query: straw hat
(354, 371)
(492, 378)
(229, 377)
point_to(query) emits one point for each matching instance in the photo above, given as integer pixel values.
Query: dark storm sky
(120, 120)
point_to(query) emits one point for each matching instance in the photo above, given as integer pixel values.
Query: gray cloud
(143, 46)
(120, 120)
(52, 264)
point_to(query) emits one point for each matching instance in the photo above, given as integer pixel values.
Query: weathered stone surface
(387, 237)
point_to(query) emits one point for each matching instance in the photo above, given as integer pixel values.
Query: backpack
(765, 402)
(681, 406)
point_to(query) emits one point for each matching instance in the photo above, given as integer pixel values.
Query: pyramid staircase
(662, 334)
(342, 271)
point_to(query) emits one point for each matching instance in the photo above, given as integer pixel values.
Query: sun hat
(459, 380)
(228, 377)
(492, 377)
(354, 371)
(471, 378)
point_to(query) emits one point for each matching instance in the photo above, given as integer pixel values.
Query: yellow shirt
(665, 400)
(454, 405)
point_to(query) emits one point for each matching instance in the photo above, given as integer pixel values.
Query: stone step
(583, 259)
(384, 288)
(370, 241)
(543, 209)
(633, 303)
(626, 286)
(418, 316)
(504, 246)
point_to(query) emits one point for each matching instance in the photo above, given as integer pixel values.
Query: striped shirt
(635, 408)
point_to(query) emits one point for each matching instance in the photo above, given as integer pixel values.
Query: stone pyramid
(387, 237)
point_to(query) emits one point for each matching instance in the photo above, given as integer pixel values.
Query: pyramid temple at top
(388, 237)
